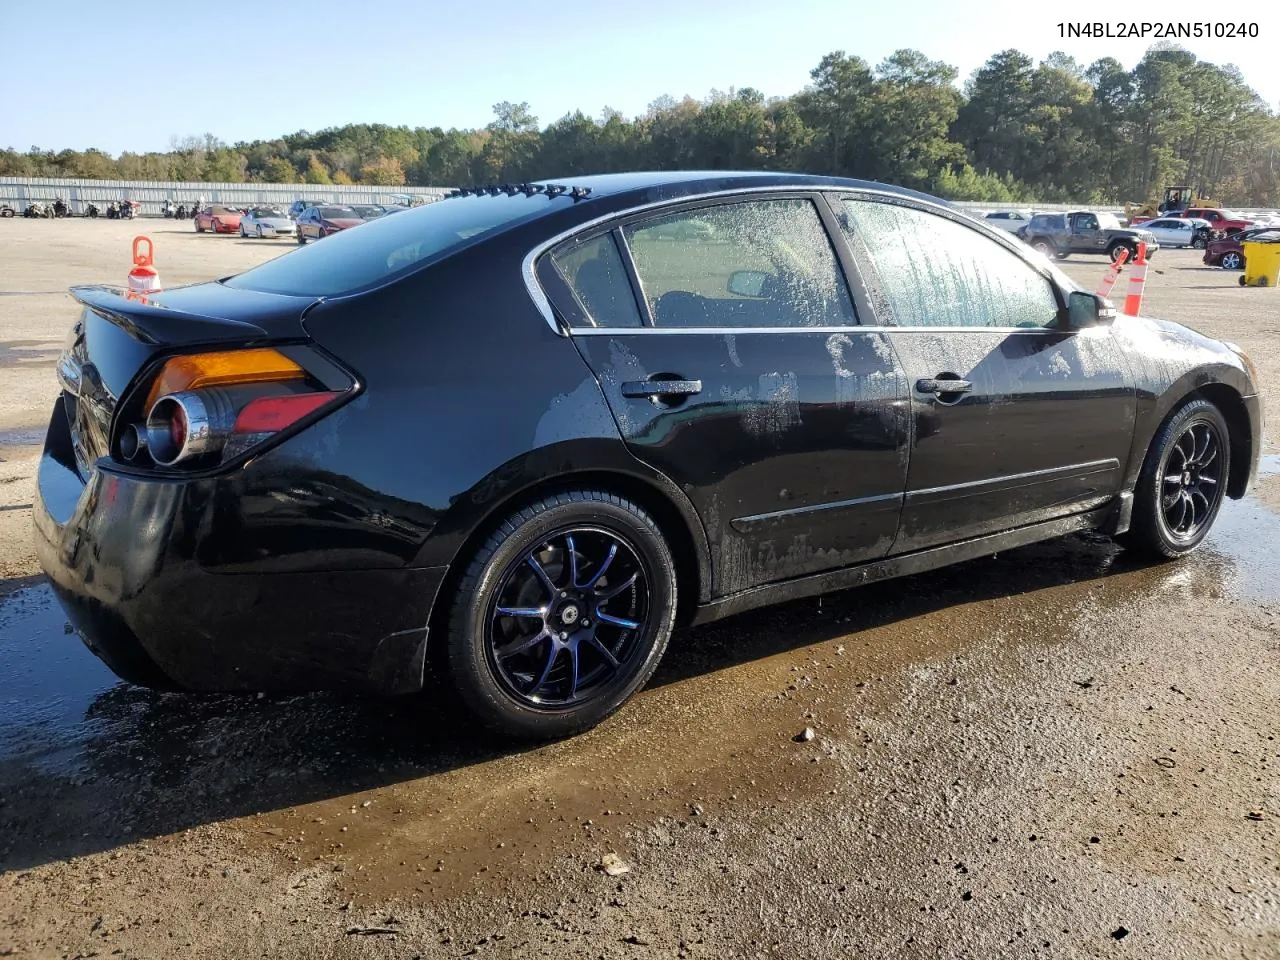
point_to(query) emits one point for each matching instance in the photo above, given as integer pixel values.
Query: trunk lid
(116, 336)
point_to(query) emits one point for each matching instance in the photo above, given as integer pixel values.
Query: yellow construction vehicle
(1175, 199)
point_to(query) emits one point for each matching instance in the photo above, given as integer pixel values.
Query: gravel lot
(1057, 752)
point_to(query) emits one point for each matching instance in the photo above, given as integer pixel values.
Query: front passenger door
(1016, 419)
(1086, 237)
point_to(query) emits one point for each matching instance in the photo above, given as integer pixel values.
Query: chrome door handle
(934, 385)
(659, 389)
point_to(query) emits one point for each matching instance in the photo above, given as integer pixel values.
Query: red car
(217, 219)
(316, 223)
(1223, 221)
(1228, 252)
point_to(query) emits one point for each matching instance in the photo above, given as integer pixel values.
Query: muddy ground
(1057, 752)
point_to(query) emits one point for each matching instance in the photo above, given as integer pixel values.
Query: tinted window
(934, 272)
(593, 270)
(766, 263)
(351, 260)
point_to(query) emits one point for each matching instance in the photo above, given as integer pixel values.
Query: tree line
(1019, 131)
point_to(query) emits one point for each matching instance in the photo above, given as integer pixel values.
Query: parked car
(1180, 232)
(1011, 221)
(1228, 252)
(1224, 221)
(296, 208)
(316, 223)
(1084, 231)
(368, 211)
(217, 219)
(525, 434)
(263, 222)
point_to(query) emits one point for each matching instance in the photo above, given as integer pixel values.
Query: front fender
(1169, 362)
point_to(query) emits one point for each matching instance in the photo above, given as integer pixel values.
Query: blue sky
(248, 70)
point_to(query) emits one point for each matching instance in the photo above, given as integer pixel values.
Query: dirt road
(1056, 752)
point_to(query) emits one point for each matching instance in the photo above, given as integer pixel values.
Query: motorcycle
(113, 211)
(129, 209)
(181, 213)
(7, 211)
(61, 208)
(35, 209)
(91, 210)
(168, 210)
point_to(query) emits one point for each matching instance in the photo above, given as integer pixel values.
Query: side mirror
(747, 283)
(1088, 310)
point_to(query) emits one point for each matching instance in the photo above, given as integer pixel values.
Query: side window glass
(934, 272)
(763, 263)
(593, 270)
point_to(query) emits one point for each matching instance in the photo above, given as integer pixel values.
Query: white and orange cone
(1112, 275)
(1137, 279)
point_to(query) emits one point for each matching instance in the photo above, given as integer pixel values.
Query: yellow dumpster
(1261, 264)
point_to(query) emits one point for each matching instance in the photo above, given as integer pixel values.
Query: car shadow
(135, 763)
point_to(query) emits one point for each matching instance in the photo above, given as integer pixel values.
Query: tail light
(207, 409)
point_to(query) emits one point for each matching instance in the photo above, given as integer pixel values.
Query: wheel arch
(1231, 405)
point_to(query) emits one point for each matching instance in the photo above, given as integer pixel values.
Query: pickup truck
(1222, 221)
(1084, 231)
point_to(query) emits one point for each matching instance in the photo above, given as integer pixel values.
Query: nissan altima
(519, 434)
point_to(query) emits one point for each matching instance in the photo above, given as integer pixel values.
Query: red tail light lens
(269, 414)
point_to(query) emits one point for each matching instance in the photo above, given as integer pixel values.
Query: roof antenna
(555, 189)
(580, 193)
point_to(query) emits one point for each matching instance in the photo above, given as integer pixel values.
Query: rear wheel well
(1231, 405)
(644, 495)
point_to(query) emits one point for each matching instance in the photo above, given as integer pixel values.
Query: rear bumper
(121, 555)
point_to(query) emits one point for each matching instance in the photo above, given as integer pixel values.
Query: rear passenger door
(1016, 420)
(726, 341)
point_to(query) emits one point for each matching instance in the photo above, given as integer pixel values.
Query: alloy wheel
(567, 618)
(1191, 481)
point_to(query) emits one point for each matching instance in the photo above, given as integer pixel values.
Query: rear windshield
(353, 260)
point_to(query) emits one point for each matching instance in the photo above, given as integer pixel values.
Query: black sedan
(525, 431)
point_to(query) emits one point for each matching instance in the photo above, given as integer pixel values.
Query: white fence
(19, 191)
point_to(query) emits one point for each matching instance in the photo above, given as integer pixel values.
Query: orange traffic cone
(1133, 302)
(1112, 275)
(143, 278)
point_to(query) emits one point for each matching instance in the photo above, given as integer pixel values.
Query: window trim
(873, 274)
(821, 194)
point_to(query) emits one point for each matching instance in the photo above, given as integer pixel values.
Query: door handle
(935, 385)
(661, 389)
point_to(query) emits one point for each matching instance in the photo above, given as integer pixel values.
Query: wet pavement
(1016, 756)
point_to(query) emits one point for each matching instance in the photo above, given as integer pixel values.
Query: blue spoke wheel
(563, 614)
(566, 616)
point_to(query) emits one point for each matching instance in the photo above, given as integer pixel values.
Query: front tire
(1183, 482)
(1232, 261)
(1113, 252)
(562, 615)
(1044, 246)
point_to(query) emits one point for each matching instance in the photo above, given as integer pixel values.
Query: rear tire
(1183, 482)
(579, 651)
(1232, 261)
(1043, 246)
